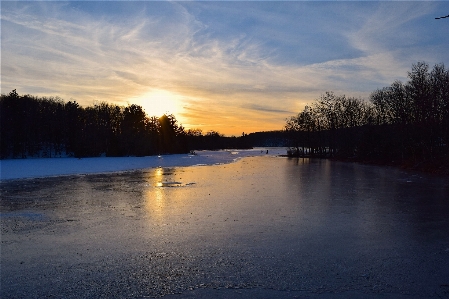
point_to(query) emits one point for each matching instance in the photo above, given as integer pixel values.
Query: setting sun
(159, 102)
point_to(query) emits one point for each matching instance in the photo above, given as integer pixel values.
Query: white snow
(45, 167)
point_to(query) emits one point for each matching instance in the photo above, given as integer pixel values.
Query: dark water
(262, 227)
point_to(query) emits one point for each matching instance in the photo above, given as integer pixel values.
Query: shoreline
(433, 168)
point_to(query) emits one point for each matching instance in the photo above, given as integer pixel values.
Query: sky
(231, 67)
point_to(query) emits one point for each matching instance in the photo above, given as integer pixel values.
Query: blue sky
(228, 66)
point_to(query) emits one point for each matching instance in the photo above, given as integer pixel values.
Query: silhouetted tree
(171, 135)
(133, 131)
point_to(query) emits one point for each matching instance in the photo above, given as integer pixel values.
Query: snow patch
(45, 167)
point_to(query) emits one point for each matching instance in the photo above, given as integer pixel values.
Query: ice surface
(261, 227)
(45, 167)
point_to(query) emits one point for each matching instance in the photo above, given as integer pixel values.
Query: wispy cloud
(244, 63)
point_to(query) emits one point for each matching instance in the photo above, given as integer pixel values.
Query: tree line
(404, 122)
(33, 126)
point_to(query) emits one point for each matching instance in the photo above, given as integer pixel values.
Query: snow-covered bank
(44, 167)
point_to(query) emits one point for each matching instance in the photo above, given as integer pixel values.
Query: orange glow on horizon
(194, 111)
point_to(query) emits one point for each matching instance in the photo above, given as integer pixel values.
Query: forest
(404, 123)
(50, 127)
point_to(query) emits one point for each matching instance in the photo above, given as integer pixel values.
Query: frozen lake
(261, 227)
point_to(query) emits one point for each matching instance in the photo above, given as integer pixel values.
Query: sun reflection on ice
(155, 196)
(168, 198)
